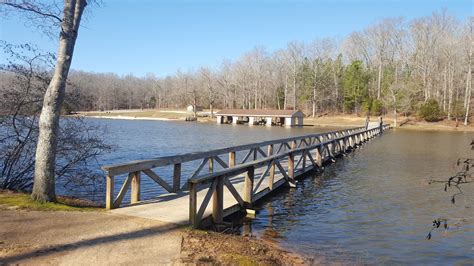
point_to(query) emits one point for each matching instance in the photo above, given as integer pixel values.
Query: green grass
(24, 202)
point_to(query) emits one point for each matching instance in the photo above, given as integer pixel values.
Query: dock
(221, 185)
(267, 117)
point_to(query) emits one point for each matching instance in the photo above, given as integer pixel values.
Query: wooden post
(211, 165)
(109, 196)
(318, 158)
(293, 144)
(135, 194)
(218, 201)
(304, 160)
(231, 158)
(248, 186)
(333, 148)
(176, 177)
(291, 165)
(193, 206)
(271, 174)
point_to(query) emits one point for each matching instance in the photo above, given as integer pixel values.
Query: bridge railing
(316, 154)
(266, 149)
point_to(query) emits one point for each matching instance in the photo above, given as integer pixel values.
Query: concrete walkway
(85, 238)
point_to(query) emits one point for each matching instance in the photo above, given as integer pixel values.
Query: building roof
(261, 112)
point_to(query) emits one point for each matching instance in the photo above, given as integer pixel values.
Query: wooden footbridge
(230, 185)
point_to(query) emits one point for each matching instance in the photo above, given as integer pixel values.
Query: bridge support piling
(248, 187)
(218, 201)
(271, 174)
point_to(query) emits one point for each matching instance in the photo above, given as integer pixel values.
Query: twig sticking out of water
(460, 178)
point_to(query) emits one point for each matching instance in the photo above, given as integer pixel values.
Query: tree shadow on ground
(45, 251)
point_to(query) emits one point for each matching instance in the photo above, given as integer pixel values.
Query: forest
(392, 66)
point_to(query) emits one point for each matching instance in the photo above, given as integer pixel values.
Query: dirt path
(85, 238)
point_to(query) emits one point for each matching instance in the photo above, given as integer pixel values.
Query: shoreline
(324, 121)
(119, 117)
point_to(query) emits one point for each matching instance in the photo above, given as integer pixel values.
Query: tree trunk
(379, 82)
(337, 90)
(450, 90)
(44, 180)
(285, 101)
(445, 86)
(395, 117)
(294, 86)
(468, 87)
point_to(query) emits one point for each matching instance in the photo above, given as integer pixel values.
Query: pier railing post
(193, 206)
(135, 194)
(291, 161)
(291, 165)
(218, 201)
(248, 186)
(231, 158)
(109, 196)
(304, 159)
(176, 177)
(319, 158)
(211, 165)
(271, 174)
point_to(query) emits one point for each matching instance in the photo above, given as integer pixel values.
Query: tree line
(392, 66)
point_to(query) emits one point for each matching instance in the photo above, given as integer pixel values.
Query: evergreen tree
(355, 84)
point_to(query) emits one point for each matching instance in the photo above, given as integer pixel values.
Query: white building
(261, 116)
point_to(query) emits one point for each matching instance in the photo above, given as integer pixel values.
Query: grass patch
(237, 259)
(12, 200)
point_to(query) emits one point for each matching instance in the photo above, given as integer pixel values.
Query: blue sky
(160, 37)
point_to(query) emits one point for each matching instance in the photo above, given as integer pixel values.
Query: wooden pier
(221, 186)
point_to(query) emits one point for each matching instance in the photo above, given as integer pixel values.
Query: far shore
(132, 118)
(329, 120)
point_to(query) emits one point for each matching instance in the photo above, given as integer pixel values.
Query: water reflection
(375, 205)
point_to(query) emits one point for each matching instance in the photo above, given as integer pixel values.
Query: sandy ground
(85, 238)
(103, 238)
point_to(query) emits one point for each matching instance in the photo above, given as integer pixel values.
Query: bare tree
(468, 92)
(44, 182)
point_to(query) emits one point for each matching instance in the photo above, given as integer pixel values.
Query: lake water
(373, 206)
(142, 139)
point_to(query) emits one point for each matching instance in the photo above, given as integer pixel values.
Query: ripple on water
(375, 205)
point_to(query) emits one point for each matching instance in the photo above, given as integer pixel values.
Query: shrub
(458, 111)
(430, 111)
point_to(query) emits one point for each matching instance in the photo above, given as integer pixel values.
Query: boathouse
(266, 117)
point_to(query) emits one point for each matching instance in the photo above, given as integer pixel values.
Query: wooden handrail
(333, 147)
(140, 165)
(241, 168)
(326, 143)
